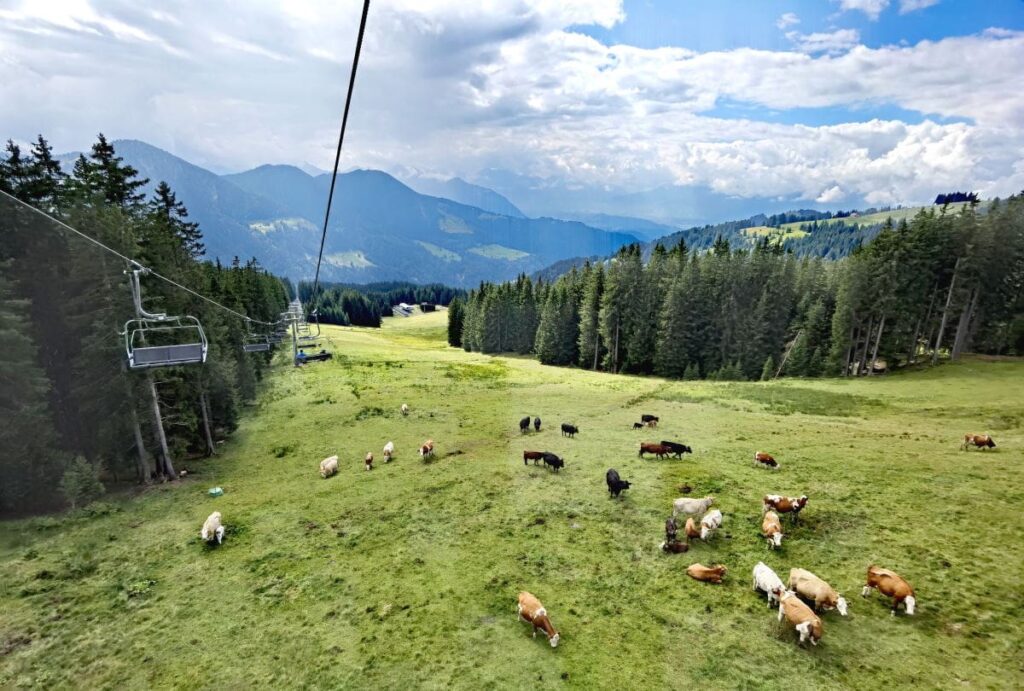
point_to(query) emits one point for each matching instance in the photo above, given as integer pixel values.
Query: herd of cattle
(799, 600)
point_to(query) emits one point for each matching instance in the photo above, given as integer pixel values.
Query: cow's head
(554, 639)
(624, 484)
(910, 603)
(777, 539)
(841, 605)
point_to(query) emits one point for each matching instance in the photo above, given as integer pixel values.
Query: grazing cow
(524, 425)
(671, 528)
(694, 507)
(892, 584)
(553, 461)
(765, 460)
(768, 581)
(427, 449)
(405, 409)
(709, 574)
(328, 466)
(803, 619)
(711, 522)
(674, 546)
(659, 450)
(771, 529)
(569, 430)
(389, 451)
(810, 587)
(615, 483)
(369, 460)
(536, 424)
(677, 449)
(692, 533)
(532, 611)
(649, 418)
(533, 456)
(638, 425)
(213, 529)
(980, 441)
(790, 505)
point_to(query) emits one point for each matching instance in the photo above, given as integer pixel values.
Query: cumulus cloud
(837, 41)
(907, 6)
(787, 20)
(454, 88)
(872, 8)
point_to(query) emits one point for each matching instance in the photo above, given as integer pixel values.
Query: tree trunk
(140, 445)
(158, 428)
(963, 327)
(849, 350)
(597, 341)
(945, 314)
(862, 361)
(211, 450)
(878, 339)
(615, 358)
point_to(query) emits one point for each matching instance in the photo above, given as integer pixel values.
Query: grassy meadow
(406, 576)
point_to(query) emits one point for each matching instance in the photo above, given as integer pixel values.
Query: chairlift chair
(255, 343)
(160, 340)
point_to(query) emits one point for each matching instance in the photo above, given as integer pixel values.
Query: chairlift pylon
(158, 339)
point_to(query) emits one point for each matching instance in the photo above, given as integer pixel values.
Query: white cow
(767, 580)
(212, 529)
(389, 451)
(328, 466)
(710, 523)
(685, 505)
(405, 409)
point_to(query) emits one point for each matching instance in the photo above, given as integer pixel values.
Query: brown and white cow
(369, 460)
(979, 441)
(810, 587)
(771, 529)
(781, 504)
(427, 449)
(532, 611)
(891, 584)
(708, 574)
(691, 529)
(802, 617)
(765, 460)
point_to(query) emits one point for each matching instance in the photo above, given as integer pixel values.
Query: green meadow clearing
(406, 576)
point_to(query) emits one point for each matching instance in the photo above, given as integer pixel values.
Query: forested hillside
(63, 304)
(350, 304)
(932, 287)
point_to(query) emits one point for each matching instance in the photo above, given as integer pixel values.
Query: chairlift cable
(337, 155)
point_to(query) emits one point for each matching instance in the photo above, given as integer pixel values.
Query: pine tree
(768, 371)
(456, 317)
(591, 348)
(166, 209)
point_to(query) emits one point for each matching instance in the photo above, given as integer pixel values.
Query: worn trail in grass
(406, 576)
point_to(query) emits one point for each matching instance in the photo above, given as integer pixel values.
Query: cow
(328, 466)
(532, 612)
(369, 460)
(709, 574)
(659, 450)
(781, 504)
(693, 507)
(677, 449)
(803, 619)
(768, 581)
(427, 449)
(536, 424)
(674, 546)
(615, 483)
(533, 456)
(771, 529)
(649, 419)
(711, 522)
(524, 425)
(553, 461)
(765, 460)
(569, 430)
(671, 529)
(892, 584)
(389, 451)
(980, 441)
(692, 533)
(638, 425)
(405, 409)
(810, 587)
(213, 529)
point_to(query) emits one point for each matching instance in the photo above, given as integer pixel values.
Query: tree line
(73, 414)
(348, 304)
(930, 288)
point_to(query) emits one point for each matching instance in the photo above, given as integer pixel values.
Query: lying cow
(677, 449)
(328, 466)
(765, 460)
(427, 449)
(694, 507)
(569, 430)
(674, 546)
(711, 522)
(810, 587)
(771, 529)
(524, 425)
(892, 584)
(389, 451)
(659, 450)
(979, 441)
(615, 483)
(533, 456)
(553, 461)
(781, 504)
(708, 574)
(803, 619)
(213, 529)
(532, 611)
(369, 460)
(768, 581)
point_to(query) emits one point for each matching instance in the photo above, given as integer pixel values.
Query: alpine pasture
(407, 576)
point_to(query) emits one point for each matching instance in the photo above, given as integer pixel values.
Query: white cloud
(872, 8)
(907, 6)
(832, 195)
(837, 41)
(787, 20)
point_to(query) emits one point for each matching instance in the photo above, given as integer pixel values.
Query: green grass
(896, 215)
(439, 252)
(406, 576)
(499, 252)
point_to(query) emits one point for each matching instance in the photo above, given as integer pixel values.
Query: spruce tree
(456, 316)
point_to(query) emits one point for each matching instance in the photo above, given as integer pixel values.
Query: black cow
(536, 424)
(677, 449)
(553, 461)
(638, 425)
(650, 418)
(671, 528)
(615, 483)
(569, 430)
(524, 425)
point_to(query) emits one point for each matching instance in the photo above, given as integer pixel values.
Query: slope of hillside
(458, 190)
(407, 576)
